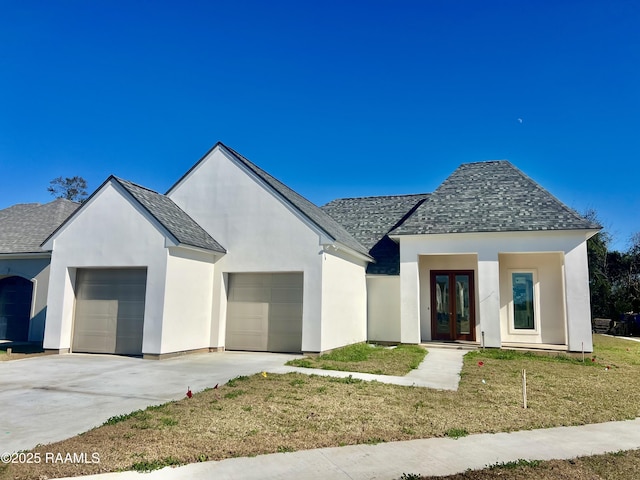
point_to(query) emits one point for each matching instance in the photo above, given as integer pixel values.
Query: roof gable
(308, 210)
(161, 208)
(24, 227)
(491, 197)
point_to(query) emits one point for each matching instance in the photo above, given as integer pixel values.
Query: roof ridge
(119, 179)
(381, 196)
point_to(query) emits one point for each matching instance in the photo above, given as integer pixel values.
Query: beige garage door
(109, 312)
(264, 312)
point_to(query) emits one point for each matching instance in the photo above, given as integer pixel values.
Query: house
(24, 266)
(231, 258)
(489, 257)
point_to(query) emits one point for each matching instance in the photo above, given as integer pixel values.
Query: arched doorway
(15, 308)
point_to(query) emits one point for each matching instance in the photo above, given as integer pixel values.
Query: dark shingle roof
(369, 219)
(172, 217)
(25, 226)
(308, 209)
(491, 197)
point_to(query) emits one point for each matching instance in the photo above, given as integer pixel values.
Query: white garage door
(109, 312)
(264, 312)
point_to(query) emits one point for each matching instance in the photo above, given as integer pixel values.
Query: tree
(71, 188)
(599, 281)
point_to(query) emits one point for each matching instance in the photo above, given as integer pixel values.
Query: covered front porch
(492, 292)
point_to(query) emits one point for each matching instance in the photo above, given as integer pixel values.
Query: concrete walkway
(440, 369)
(433, 456)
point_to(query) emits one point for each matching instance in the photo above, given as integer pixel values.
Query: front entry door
(452, 305)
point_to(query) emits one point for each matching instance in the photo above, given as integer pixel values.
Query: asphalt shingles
(23, 227)
(369, 219)
(172, 217)
(491, 197)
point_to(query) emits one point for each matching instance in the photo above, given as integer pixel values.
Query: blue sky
(335, 98)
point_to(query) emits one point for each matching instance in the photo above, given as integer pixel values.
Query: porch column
(489, 297)
(576, 274)
(409, 302)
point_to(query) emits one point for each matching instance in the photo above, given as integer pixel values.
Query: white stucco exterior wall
(188, 300)
(383, 308)
(109, 231)
(409, 297)
(344, 300)
(261, 232)
(489, 299)
(550, 317)
(487, 247)
(578, 299)
(35, 269)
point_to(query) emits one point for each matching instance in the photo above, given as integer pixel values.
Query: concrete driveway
(50, 398)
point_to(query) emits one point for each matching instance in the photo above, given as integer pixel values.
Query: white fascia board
(587, 233)
(349, 251)
(18, 256)
(215, 255)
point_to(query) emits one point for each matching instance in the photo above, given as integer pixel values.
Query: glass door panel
(452, 305)
(443, 322)
(463, 311)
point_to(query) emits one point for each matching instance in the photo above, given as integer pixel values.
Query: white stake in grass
(524, 389)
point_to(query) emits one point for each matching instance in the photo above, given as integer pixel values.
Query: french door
(452, 305)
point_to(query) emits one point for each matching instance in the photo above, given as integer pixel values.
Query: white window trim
(536, 303)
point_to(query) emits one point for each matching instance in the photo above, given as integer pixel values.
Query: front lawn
(367, 358)
(281, 413)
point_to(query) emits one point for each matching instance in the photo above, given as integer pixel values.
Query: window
(524, 301)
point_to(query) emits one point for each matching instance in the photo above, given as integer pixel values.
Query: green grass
(515, 464)
(456, 433)
(559, 357)
(148, 466)
(367, 358)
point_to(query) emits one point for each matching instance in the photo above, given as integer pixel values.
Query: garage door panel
(286, 295)
(109, 316)
(285, 317)
(249, 328)
(264, 312)
(248, 293)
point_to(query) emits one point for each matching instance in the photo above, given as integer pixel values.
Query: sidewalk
(440, 369)
(432, 456)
